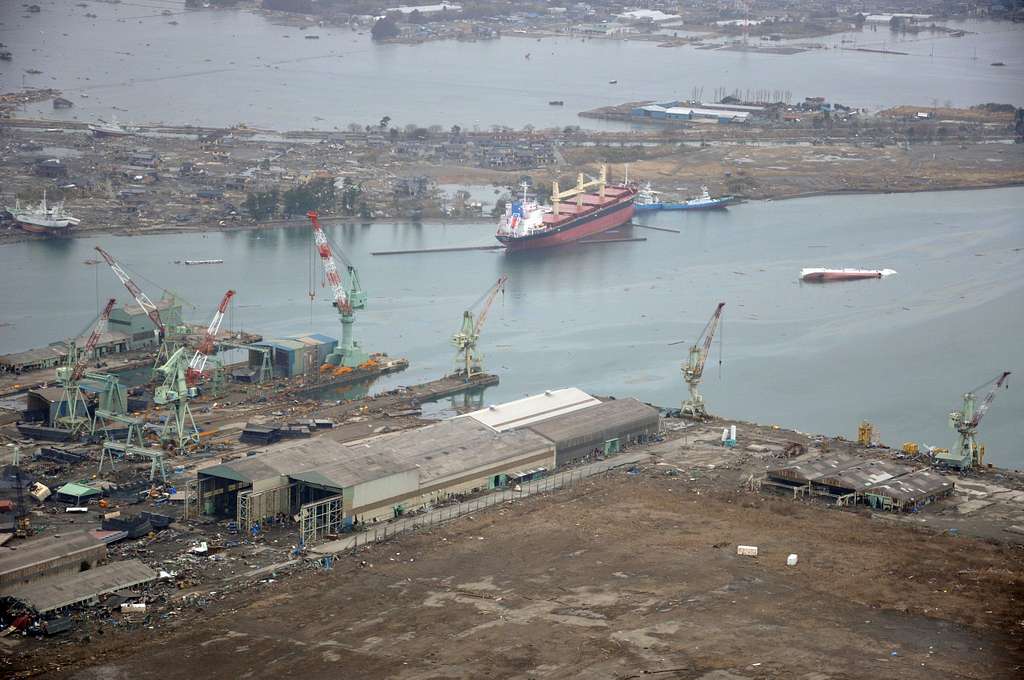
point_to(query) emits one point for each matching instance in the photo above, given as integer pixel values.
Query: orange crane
(141, 298)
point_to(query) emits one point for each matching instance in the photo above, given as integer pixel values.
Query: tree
(456, 130)
(355, 127)
(316, 194)
(351, 195)
(384, 122)
(385, 28)
(261, 204)
(499, 208)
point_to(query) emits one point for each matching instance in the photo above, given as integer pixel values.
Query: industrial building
(293, 356)
(57, 555)
(375, 478)
(603, 429)
(57, 592)
(139, 330)
(387, 475)
(681, 112)
(846, 480)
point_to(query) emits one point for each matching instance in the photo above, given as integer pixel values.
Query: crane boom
(978, 414)
(498, 287)
(708, 334)
(198, 362)
(330, 268)
(90, 344)
(141, 298)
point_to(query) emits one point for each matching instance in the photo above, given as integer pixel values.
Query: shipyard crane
(693, 369)
(143, 301)
(70, 375)
(467, 361)
(175, 392)
(195, 367)
(348, 297)
(966, 453)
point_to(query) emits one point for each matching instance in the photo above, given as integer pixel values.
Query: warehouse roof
(596, 422)
(350, 470)
(451, 447)
(913, 486)
(811, 470)
(281, 343)
(63, 591)
(32, 356)
(282, 460)
(42, 550)
(524, 412)
(863, 475)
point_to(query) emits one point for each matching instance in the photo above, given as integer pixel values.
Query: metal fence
(431, 518)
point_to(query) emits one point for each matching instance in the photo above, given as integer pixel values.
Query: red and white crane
(198, 362)
(141, 298)
(78, 369)
(330, 268)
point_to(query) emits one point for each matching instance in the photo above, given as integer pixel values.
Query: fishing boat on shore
(43, 218)
(573, 214)
(648, 199)
(822, 275)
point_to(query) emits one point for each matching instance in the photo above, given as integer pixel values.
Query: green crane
(72, 411)
(966, 453)
(348, 297)
(179, 427)
(693, 369)
(468, 362)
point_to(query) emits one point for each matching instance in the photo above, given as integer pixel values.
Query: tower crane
(179, 427)
(195, 367)
(966, 453)
(143, 301)
(70, 375)
(467, 361)
(348, 297)
(693, 369)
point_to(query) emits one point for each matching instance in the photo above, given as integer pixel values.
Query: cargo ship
(647, 199)
(43, 218)
(527, 224)
(821, 275)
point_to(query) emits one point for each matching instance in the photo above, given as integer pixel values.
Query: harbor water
(220, 68)
(898, 352)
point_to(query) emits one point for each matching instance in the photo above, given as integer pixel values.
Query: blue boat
(647, 199)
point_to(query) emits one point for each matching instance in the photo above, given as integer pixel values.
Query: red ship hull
(618, 212)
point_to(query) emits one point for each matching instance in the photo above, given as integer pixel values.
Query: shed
(134, 322)
(49, 556)
(854, 479)
(605, 428)
(910, 491)
(73, 492)
(63, 591)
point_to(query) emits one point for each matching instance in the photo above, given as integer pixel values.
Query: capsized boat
(822, 275)
(587, 209)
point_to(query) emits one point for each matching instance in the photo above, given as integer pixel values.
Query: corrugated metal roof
(914, 486)
(77, 490)
(318, 338)
(63, 591)
(865, 474)
(524, 412)
(811, 470)
(286, 344)
(599, 422)
(45, 549)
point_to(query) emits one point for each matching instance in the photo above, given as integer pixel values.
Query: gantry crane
(966, 453)
(147, 305)
(468, 362)
(69, 415)
(179, 427)
(198, 363)
(693, 369)
(348, 297)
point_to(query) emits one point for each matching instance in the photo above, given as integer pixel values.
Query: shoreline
(23, 237)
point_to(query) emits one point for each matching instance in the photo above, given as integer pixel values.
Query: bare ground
(620, 577)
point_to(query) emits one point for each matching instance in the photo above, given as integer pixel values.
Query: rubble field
(626, 575)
